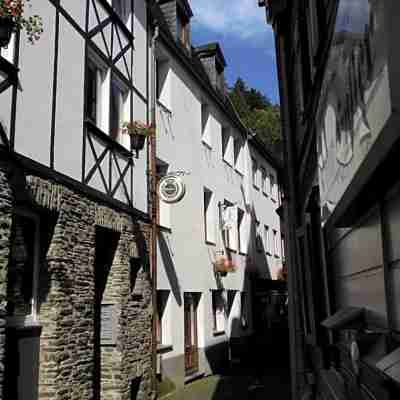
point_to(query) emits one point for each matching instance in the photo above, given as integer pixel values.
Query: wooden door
(191, 349)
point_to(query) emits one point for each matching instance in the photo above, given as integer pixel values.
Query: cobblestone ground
(239, 384)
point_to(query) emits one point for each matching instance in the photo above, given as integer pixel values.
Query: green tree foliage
(258, 114)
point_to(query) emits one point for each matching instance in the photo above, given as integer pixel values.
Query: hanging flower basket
(7, 25)
(138, 133)
(12, 18)
(223, 265)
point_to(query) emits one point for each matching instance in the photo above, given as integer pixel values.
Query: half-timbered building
(76, 298)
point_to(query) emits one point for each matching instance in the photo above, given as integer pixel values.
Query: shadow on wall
(170, 268)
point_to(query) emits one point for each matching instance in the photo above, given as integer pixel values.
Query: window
(205, 126)
(95, 77)
(276, 243)
(267, 240)
(23, 271)
(272, 187)
(283, 247)
(162, 326)
(255, 173)
(163, 211)
(9, 52)
(230, 215)
(209, 216)
(119, 110)
(238, 155)
(264, 180)
(242, 239)
(123, 9)
(163, 85)
(231, 300)
(244, 310)
(218, 309)
(227, 151)
(259, 244)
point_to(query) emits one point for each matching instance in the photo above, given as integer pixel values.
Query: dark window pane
(91, 92)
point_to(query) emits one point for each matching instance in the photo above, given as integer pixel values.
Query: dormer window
(183, 28)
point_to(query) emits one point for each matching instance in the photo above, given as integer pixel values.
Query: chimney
(214, 63)
(177, 14)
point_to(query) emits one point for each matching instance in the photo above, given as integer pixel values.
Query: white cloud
(241, 18)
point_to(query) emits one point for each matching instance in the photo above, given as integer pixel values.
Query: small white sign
(171, 189)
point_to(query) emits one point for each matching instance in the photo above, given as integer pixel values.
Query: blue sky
(246, 40)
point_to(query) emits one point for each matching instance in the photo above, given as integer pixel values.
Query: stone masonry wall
(6, 200)
(67, 310)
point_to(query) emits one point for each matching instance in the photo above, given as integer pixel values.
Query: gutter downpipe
(295, 342)
(153, 206)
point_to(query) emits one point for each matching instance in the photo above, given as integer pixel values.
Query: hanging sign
(171, 189)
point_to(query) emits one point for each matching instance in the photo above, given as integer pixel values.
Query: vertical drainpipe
(153, 205)
(289, 205)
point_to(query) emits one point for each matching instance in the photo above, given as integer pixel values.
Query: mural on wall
(355, 101)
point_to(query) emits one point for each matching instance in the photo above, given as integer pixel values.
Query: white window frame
(276, 246)
(103, 91)
(267, 240)
(255, 173)
(272, 187)
(242, 232)
(165, 319)
(206, 137)
(264, 180)
(33, 318)
(164, 208)
(231, 235)
(219, 315)
(239, 167)
(209, 213)
(164, 91)
(259, 241)
(227, 150)
(8, 52)
(124, 110)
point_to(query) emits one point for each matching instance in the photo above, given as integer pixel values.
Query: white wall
(35, 96)
(185, 260)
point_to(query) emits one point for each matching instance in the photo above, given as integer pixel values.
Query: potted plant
(12, 18)
(224, 265)
(138, 132)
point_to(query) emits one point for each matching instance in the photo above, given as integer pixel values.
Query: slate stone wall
(67, 308)
(6, 201)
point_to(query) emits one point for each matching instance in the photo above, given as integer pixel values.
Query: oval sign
(171, 189)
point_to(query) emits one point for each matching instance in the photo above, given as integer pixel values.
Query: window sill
(164, 107)
(241, 253)
(193, 376)
(256, 187)
(218, 333)
(231, 250)
(164, 348)
(206, 144)
(273, 200)
(210, 242)
(265, 194)
(230, 165)
(93, 128)
(164, 228)
(268, 253)
(241, 174)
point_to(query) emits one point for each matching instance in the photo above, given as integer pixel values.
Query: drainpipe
(153, 204)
